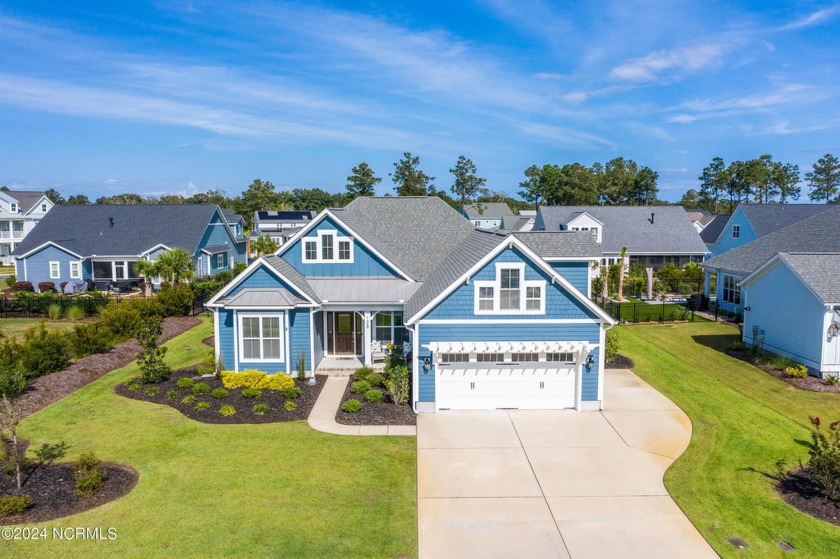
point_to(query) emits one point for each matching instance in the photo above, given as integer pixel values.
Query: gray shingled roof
(818, 233)
(514, 222)
(768, 218)
(290, 272)
(26, 198)
(263, 297)
(819, 272)
(711, 232)
(378, 289)
(670, 233)
(488, 210)
(415, 233)
(561, 244)
(231, 216)
(87, 230)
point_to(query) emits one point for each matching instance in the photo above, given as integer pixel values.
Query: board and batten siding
(37, 266)
(478, 332)
(726, 242)
(790, 316)
(559, 303)
(365, 263)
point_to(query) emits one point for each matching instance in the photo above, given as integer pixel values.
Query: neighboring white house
(488, 215)
(20, 211)
(280, 225)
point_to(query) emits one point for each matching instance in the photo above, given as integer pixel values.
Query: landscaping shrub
(46, 287)
(201, 388)
(205, 289)
(780, 362)
(90, 338)
(54, 311)
(153, 368)
(291, 393)
(373, 395)
(360, 387)
(251, 378)
(43, 352)
(397, 384)
(301, 370)
(22, 286)
(201, 406)
(75, 312)
(188, 399)
(122, 319)
(260, 409)
(351, 406)
(152, 391)
(737, 345)
(797, 371)
(175, 300)
(824, 461)
(612, 345)
(375, 379)
(832, 380)
(219, 394)
(207, 365)
(89, 476)
(227, 411)
(185, 382)
(13, 505)
(290, 406)
(172, 394)
(11, 280)
(134, 386)
(362, 373)
(251, 393)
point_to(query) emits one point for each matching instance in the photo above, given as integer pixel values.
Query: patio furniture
(377, 352)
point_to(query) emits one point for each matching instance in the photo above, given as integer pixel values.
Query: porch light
(590, 361)
(427, 365)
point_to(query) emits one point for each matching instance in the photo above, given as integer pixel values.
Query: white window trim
(319, 248)
(14, 208)
(496, 285)
(736, 231)
(239, 340)
(44, 208)
(220, 260)
(57, 273)
(77, 266)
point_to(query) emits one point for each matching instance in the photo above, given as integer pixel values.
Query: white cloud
(815, 18)
(688, 59)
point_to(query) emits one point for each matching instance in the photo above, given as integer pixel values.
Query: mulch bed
(48, 389)
(244, 414)
(797, 490)
(813, 384)
(383, 412)
(620, 362)
(53, 491)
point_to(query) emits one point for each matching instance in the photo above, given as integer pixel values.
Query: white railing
(11, 234)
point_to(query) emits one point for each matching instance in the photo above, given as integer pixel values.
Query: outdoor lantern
(590, 361)
(426, 366)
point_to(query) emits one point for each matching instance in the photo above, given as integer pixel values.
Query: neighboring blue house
(817, 233)
(489, 321)
(792, 308)
(101, 243)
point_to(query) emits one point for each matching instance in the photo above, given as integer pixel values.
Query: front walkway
(561, 484)
(322, 416)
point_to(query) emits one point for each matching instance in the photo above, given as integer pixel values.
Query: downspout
(414, 372)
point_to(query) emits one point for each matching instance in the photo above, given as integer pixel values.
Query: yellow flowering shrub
(252, 378)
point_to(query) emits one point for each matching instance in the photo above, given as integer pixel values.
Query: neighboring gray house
(20, 211)
(280, 225)
(654, 235)
(101, 243)
(491, 216)
(711, 230)
(817, 234)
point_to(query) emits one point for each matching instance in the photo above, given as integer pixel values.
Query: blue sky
(177, 96)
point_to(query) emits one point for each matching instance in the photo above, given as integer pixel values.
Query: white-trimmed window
(14, 208)
(75, 270)
(327, 246)
(43, 208)
(260, 337)
(55, 269)
(736, 231)
(731, 291)
(510, 292)
(221, 260)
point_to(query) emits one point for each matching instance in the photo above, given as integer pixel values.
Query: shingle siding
(576, 272)
(788, 313)
(365, 263)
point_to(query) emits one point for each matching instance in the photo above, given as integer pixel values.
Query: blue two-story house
(101, 243)
(488, 321)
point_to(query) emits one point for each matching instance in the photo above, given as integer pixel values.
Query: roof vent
(652, 217)
(111, 221)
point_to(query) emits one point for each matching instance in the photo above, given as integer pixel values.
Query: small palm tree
(175, 265)
(264, 245)
(146, 270)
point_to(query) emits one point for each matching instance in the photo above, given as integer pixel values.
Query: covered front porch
(348, 339)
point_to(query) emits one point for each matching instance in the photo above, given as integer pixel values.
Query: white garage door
(526, 387)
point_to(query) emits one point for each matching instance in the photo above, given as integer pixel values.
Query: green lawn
(275, 490)
(15, 327)
(744, 421)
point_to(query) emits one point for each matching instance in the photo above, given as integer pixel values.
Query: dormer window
(328, 246)
(14, 208)
(510, 292)
(736, 231)
(43, 208)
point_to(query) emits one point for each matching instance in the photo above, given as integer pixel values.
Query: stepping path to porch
(322, 416)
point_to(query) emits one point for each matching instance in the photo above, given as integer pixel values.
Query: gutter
(413, 372)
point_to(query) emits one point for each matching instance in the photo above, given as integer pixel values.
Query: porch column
(366, 339)
(707, 282)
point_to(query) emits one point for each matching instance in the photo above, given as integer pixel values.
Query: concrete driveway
(567, 484)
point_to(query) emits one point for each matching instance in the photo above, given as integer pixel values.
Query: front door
(344, 333)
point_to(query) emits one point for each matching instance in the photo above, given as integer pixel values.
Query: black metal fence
(636, 311)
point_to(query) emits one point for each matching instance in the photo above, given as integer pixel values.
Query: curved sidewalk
(322, 416)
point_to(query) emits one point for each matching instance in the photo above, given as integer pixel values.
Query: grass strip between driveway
(744, 421)
(274, 490)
